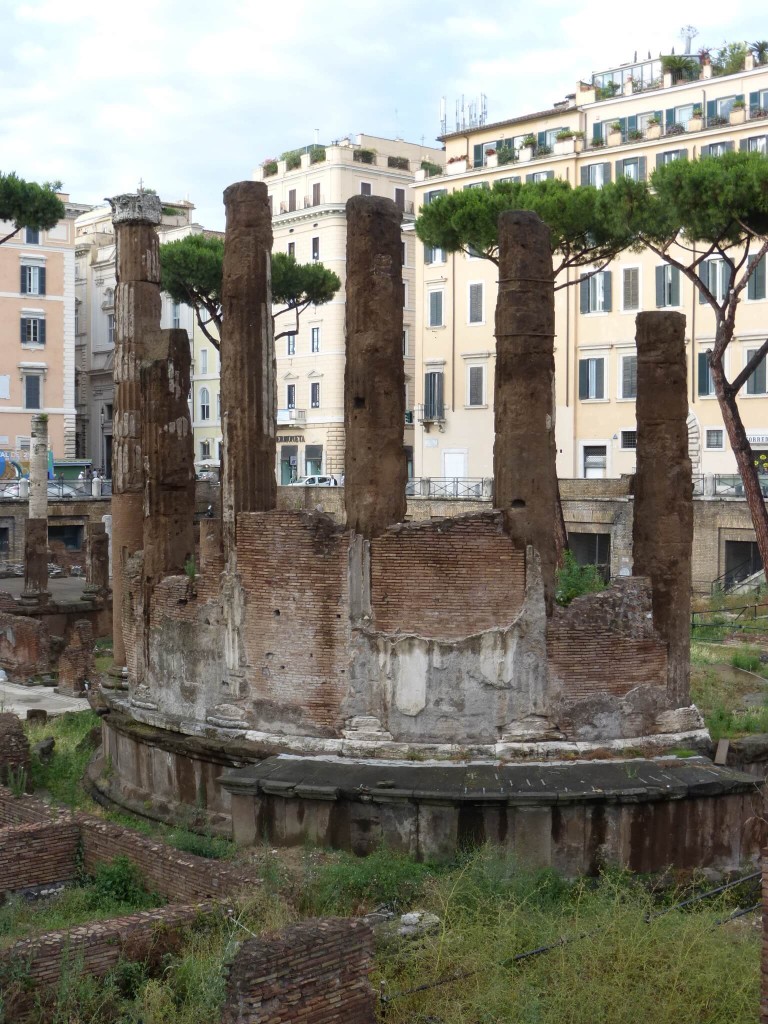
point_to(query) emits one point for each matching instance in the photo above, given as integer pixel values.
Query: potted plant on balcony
(615, 136)
(506, 154)
(696, 123)
(653, 127)
(564, 141)
(527, 148)
(456, 165)
(269, 167)
(364, 156)
(491, 158)
(738, 112)
(634, 135)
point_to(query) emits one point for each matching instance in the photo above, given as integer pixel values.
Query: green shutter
(744, 145)
(619, 169)
(660, 298)
(607, 291)
(583, 378)
(41, 331)
(682, 154)
(703, 374)
(23, 282)
(585, 175)
(711, 109)
(41, 279)
(642, 165)
(756, 382)
(23, 329)
(674, 286)
(629, 377)
(583, 294)
(706, 278)
(529, 177)
(669, 116)
(597, 130)
(704, 151)
(756, 285)
(541, 139)
(606, 172)
(478, 151)
(754, 100)
(599, 378)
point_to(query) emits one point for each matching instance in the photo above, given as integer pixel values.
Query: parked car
(314, 481)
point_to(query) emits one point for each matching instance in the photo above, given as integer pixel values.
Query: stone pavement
(19, 699)
(62, 588)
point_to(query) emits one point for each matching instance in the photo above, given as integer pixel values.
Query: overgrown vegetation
(61, 775)
(573, 580)
(722, 680)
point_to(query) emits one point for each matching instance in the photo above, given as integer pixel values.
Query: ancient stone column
(167, 444)
(96, 561)
(375, 471)
(35, 562)
(662, 532)
(248, 395)
(524, 451)
(38, 468)
(137, 313)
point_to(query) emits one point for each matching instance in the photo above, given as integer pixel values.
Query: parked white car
(314, 481)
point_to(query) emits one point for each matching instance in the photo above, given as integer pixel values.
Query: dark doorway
(592, 549)
(742, 559)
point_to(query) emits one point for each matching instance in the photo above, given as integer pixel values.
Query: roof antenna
(688, 33)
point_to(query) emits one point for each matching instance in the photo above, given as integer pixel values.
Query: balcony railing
(450, 487)
(286, 416)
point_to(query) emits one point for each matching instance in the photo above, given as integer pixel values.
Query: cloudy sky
(190, 96)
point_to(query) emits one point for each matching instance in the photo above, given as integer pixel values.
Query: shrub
(203, 845)
(120, 881)
(573, 580)
(351, 883)
(529, 140)
(431, 168)
(292, 159)
(269, 167)
(565, 133)
(364, 156)
(400, 163)
(316, 154)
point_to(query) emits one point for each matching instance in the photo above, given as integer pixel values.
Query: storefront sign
(757, 436)
(283, 440)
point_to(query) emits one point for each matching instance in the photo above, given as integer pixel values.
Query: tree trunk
(742, 449)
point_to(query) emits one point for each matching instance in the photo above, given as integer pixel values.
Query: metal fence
(58, 490)
(451, 487)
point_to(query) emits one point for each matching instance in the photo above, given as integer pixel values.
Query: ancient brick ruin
(378, 638)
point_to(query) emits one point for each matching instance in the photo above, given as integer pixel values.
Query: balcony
(297, 417)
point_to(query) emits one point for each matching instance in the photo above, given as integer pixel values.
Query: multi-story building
(94, 322)
(308, 191)
(206, 398)
(626, 121)
(37, 334)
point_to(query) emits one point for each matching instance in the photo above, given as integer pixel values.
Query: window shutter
(754, 100)
(706, 278)
(711, 109)
(541, 139)
(619, 169)
(41, 279)
(478, 151)
(756, 383)
(599, 378)
(23, 329)
(41, 331)
(642, 164)
(704, 151)
(597, 130)
(631, 288)
(739, 96)
(674, 286)
(659, 159)
(659, 115)
(729, 146)
(23, 284)
(549, 175)
(439, 394)
(607, 290)
(756, 285)
(529, 177)
(660, 297)
(632, 123)
(583, 378)
(435, 309)
(629, 377)
(32, 389)
(583, 295)
(669, 116)
(585, 175)
(703, 381)
(744, 145)
(429, 254)
(475, 303)
(682, 154)
(475, 385)
(606, 172)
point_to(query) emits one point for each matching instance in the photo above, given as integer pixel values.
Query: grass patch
(61, 776)
(203, 845)
(747, 660)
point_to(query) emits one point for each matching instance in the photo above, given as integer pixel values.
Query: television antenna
(688, 33)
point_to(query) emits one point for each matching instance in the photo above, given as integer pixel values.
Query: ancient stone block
(14, 748)
(76, 666)
(36, 560)
(97, 559)
(38, 468)
(374, 381)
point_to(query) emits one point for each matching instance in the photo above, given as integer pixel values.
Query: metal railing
(58, 490)
(450, 487)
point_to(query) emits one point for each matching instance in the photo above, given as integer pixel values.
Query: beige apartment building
(37, 335)
(308, 191)
(633, 118)
(94, 322)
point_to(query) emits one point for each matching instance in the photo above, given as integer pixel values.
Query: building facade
(37, 335)
(308, 191)
(626, 121)
(94, 323)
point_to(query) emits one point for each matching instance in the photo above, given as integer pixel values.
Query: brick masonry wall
(38, 854)
(764, 958)
(25, 809)
(605, 643)
(92, 949)
(175, 875)
(24, 646)
(313, 973)
(14, 746)
(446, 579)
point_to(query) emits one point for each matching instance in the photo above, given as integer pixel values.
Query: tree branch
(10, 235)
(739, 382)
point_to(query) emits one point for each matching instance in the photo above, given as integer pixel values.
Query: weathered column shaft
(38, 468)
(36, 558)
(167, 444)
(662, 532)
(137, 313)
(96, 558)
(248, 391)
(524, 451)
(375, 471)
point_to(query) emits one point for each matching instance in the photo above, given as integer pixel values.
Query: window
(756, 284)
(316, 248)
(716, 276)
(400, 199)
(218, 406)
(476, 303)
(32, 330)
(290, 344)
(32, 281)
(680, 115)
(316, 193)
(70, 535)
(595, 292)
(205, 450)
(670, 156)
(291, 200)
(628, 382)
(716, 149)
(706, 385)
(111, 328)
(405, 341)
(314, 391)
(630, 290)
(32, 236)
(633, 168)
(595, 461)
(667, 286)
(592, 379)
(432, 255)
(596, 175)
(714, 440)
(476, 386)
(629, 439)
(435, 318)
(405, 294)
(435, 193)
(757, 144)
(205, 404)
(290, 396)
(292, 249)
(539, 176)
(77, 317)
(365, 188)
(724, 106)
(433, 395)
(756, 382)
(315, 336)
(203, 360)
(33, 398)
(176, 315)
